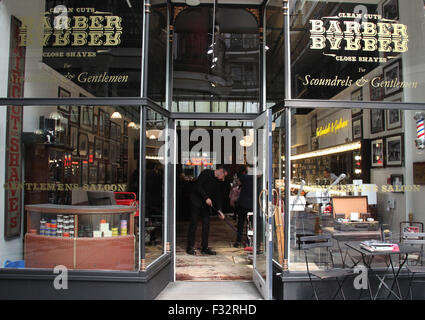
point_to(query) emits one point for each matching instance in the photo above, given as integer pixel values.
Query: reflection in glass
(355, 179)
(155, 186)
(226, 68)
(91, 50)
(262, 199)
(79, 198)
(343, 50)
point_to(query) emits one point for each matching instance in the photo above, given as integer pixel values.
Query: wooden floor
(229, 264)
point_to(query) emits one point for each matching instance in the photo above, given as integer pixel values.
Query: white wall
(412, 14)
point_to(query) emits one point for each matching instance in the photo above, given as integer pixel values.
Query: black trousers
(242, 214)
(204, 213)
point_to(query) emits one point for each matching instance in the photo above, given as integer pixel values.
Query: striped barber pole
(420, 128)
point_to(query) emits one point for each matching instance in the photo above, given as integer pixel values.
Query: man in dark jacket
(205, 190)
(244, 204)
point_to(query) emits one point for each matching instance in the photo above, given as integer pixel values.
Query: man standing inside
(328, 174)
(205, 194)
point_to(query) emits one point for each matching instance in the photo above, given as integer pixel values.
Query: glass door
(263, 213)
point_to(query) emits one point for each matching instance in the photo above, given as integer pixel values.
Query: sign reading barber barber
(344, 32)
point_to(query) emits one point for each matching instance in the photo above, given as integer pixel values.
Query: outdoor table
(368, 257)
(360, 235)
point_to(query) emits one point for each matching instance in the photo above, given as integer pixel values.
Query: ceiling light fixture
(328, 151)
(55, 116)
(193, 2)
(132, 125)
(153, 134)
(116, 115)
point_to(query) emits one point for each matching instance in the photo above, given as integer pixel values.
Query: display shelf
(102, 252)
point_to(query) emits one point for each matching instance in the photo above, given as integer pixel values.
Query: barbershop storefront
(328, 98)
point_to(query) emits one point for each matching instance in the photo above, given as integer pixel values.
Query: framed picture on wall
(74, 115)
(392, 73)
(390, 10)
(83, 144)
(377, 152)
(98, 148)
(63, 124)
(125, 147)
(84, 172)
(108, 173)
(101, 173)
(62, 93)
(114, 173)
(397, 182)
(376, 92)
(87, 117)
(358, 128)
(419, 173)
(105, 154)
(106, 125)
(356, 95)
(394, 117)
(118, 131)
(92, 174)
(394, 148)
(101, 123)
(377, 120)
(95, 123)
(73, 139)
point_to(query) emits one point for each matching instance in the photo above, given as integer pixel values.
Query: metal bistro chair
(414, 239)
(329, 273)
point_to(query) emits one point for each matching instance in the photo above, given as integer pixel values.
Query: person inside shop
(244, 203)
(328, 174)
(205, 198)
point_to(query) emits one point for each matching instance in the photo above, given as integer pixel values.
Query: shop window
(156, 176)
(219, 64)
(71, 187)
(88, 50)
(157, 57)
(274, 46)
(355, 174)
(369, 51)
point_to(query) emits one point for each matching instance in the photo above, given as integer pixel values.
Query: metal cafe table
(350, 236)
(368, 258)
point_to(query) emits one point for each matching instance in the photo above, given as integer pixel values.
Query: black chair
(329, 272)
(101, 198)
(414, 239)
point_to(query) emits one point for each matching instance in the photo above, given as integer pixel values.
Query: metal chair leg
(312, 286)
(340, 289)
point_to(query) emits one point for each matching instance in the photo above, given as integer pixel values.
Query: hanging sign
(13, 163)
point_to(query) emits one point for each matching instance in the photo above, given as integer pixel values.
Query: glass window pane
(87, 50)
(274, 46)
(355, 176)
(156, 133)
(368, 51)
(78, 189)
(219, 66)
(157, 61)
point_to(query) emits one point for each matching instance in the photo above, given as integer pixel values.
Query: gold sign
(64, 187)
(339, 34)
(66, 29)
(332, 127)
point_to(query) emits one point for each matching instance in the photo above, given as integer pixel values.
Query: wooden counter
(106, 253)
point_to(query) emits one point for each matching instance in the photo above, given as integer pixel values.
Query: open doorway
(208, 145)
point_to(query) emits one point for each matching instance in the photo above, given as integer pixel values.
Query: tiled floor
(210, 290)
(229, 264)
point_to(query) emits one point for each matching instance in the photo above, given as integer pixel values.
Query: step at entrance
(210, 290)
